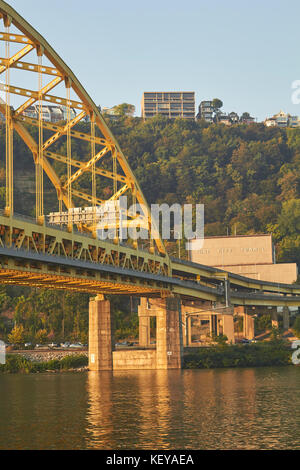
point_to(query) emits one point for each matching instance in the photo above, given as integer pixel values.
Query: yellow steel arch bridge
(68, 255)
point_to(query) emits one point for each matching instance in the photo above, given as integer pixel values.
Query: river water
(189, 409)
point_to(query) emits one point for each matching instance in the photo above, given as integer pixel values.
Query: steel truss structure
(58, 85)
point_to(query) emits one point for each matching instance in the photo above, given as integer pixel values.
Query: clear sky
(245, 52)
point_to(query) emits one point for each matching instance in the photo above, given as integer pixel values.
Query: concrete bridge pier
(218, 316)
(144, 323)
(274, 316)
(225, 314)
(100, 334)
(187, 337)
(248, 322)
(228, 327)
(248, 326)
(286, 318)
(214, 325)
(169, 348)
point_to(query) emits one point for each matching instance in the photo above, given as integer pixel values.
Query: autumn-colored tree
(41, 336)
(17, 335)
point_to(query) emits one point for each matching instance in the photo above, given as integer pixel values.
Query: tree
(296, 327)
(17, 335)
(217, 104)
(289, 219)
(124, 109)
(41, 336)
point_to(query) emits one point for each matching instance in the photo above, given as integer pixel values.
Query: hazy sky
(243, 52)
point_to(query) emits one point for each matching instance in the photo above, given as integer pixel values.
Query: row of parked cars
(62, 345)
(65, 345)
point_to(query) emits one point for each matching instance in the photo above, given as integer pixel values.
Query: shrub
(275, 353)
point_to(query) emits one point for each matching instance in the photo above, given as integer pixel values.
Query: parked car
(53, 345)
(39, 346)
(65, 345)
(28, 345)
(76, 345)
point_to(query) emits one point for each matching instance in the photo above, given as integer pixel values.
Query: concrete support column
(228, 327)
(213, 325)
(144, 332)
(286, 318)
(184, 328)
(144, 313)
(168, 334)
(275, 323)
(188, 330)
(100, 335)
(248, 326)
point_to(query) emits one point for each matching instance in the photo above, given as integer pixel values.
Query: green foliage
(217, 104)
(17, 335)
(221, 340)
(124, 109)
(263, 322)
(41, 336)
(16, 363)
(275, 335)
(265, 354)
(296, 326)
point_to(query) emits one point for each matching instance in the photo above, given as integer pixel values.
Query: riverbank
(45, 355)
(275, 353)
(17, 363)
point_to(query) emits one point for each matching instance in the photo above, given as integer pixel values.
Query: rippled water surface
(190, 409)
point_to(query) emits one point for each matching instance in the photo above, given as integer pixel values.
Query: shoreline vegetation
(273, 353)
(17, 363)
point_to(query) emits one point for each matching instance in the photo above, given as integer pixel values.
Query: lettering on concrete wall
(204, 252)
(252, 250)
(224, 250)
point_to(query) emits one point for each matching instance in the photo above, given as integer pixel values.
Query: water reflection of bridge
(207, 409)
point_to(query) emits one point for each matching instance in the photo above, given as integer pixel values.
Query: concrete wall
(283, 272)
(234, 250)
(135, 359)
(250, 256)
